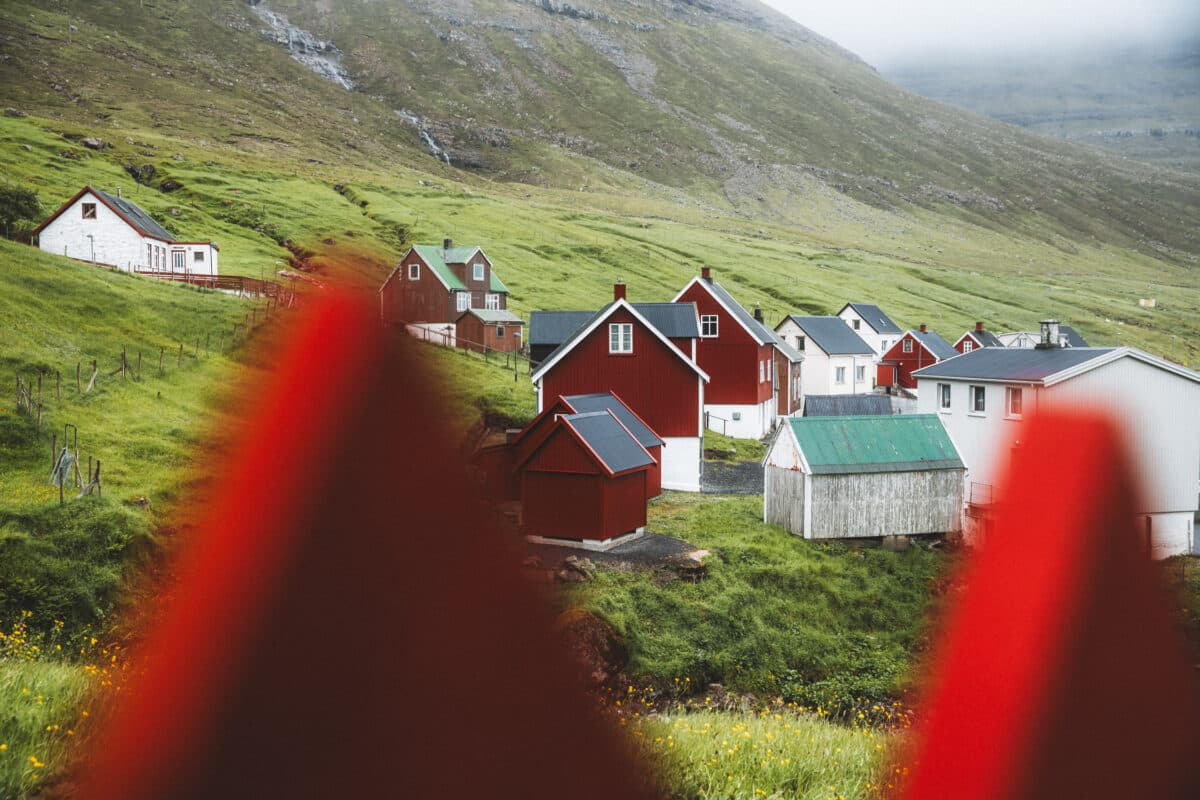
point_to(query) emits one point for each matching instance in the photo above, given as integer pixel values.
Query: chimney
(924, 328)
(758, 315)
(447, 244)
(118, 192)
(1050, 335)
(706, 273)
(619, 290)
(979, 327)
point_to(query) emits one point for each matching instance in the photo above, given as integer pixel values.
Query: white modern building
(872, 325)
(983, 396)
(836, 359)
(107, 229)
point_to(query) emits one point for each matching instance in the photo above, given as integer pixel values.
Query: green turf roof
(899, 443)
(439, 261)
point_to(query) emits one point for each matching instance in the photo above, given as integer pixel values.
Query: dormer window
(854, 324)
(414, 271)
(907, 346)
(89, 210)
(968, 345)
(478, 272)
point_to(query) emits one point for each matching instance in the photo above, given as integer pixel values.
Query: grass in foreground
(42, 702)
(738, 449)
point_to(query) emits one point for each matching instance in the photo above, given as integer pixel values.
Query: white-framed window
(854, 324)
(800, 343)
(177, 262)
(860, 374)
(463, 300)
(907, 346)
(943, 395)
(968, 345)
(620, 337)
(708, 325)
(762, 372)
(149, 255)
(1013, 401)
(88, 209)
(770, 365)
(978, 399)
(478, 272)
(492, 301)
(839, 375)
(414, 271)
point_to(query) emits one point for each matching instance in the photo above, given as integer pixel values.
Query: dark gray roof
(832, 335)
(138, 218)
(985, 338)
(607, 401)
(873, 315)
(555, 327)
(791, 353)
(614, 445)
(1073, 337)
(756, 328)
(846, 405)
(1012, 363)
(935, 344)
(673, 320)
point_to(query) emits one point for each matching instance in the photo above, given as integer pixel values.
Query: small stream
(321, 56)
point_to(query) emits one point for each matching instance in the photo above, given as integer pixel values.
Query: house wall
(731, 358)
(478, 289)
(116, 243)
(741, 421)
(624, 504)
(562, 505)
(682, 462)
(654, 474)
(783, 498)
(885, 503)
(423, 300)
(819, 370)
(787, 385)
(907, 363)
(879, 343)
(473, 334)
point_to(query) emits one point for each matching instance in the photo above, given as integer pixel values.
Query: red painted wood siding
(422, 300)
(905, 363)
(731, 359)
(653, 381)
(624, 504)
(478, 289)
(654, 474)
(473, 334)
(961, 343)
(562, 452)
(562, 505)
(787, 397)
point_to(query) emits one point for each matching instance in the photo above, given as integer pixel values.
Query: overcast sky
(888, 32)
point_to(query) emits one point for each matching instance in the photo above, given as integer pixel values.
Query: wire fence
(517, 360)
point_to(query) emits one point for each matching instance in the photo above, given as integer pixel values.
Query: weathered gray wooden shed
(863, 476)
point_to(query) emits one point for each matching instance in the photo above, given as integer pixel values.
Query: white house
(108, 229)
(982, 396)
(872, 325)
(1067, 337)
(836, 359)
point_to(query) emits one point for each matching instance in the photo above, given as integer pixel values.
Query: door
(177, 261)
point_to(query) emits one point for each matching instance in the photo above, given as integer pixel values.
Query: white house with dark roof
(836, 359)
(869, 322)
(983, 396)
(1067, 337)
(108, 229)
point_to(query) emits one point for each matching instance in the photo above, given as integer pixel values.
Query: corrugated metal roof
(935, 344)
(439, 261)
(846, 405)
(756, 328)
(897, 443)
(673, 320)
(1073, 337)
(873, 315)
(1012, 363)
(137, 217)
(615, 446)
(986, 338)
(791, 353)
(607, 401)
(832, 335)
(491, 315)
(555, 327)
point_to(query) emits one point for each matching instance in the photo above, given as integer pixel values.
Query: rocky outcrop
(319, 55)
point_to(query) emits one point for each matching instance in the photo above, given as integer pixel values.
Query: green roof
(898, 443)
(439, 261)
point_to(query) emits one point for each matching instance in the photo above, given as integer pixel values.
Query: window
(854, 324)
(800, 343)
(479, 272)
(761, 372)
(149, 255)
(839, 375)
(1012, 401)
(968, 345)
(943, 395)
(463, 300)
(499, 331)
(89, 210)
(620, 337)
(708, 325)
(769, 365)
(414, 272)
(978, 399)
(177, 262)
(492, 301)
(907, 346)
(860, 374)
(156, 258)
(198, 256)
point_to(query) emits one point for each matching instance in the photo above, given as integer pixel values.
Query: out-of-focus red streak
(347, 623)
(1061, 672)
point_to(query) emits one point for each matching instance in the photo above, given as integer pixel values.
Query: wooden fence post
(197, 347)
(179, 361)
(39, 389)
(207, 338)
(54, 451)
(78, 385)
(123, 363)
(221, 342)
(139, 366)
(58, 385)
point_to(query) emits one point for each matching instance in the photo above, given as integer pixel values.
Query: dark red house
(482, 329)
(435, 285)
(584, 482)
(912, 351)
(738, 353)
(973, 340)
(620, 350)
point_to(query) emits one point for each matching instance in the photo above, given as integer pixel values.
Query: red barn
(621, 351)
(973, 340)
(585, 482)
(738, 353)
(482, 329)
(912, 351)
(432, 286)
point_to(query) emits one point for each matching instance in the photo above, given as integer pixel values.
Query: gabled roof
(439, 261)
(674, 320)
(1073, 337)
(935, 344)
(756, 329)
(607, 401)
(896, 443)
(790, 353)
(491, 315)
(846, 405)
(832, 335)
(983, 338)
(611, 442)
(555, 327)
(596, 320)
(873, 315)
(127, 210)
(1046, 367)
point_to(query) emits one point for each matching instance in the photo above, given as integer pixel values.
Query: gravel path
(732, 477)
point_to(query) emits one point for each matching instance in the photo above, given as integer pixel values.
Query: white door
(177, 263)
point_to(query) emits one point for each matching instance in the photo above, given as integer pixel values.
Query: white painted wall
(879, 343)
(681, 458)
(819, 372)
(755, 421)
(116, 243)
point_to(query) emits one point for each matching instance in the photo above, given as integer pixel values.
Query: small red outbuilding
(584, 483)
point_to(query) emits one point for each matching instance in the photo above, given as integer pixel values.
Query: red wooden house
(584, 483)
(433, 286)
(912, 351)
(621, 351)
(973, 340)
(738, 352)
(482, 329)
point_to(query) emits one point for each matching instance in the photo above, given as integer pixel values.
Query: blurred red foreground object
(1061, 673)
(346, 623)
